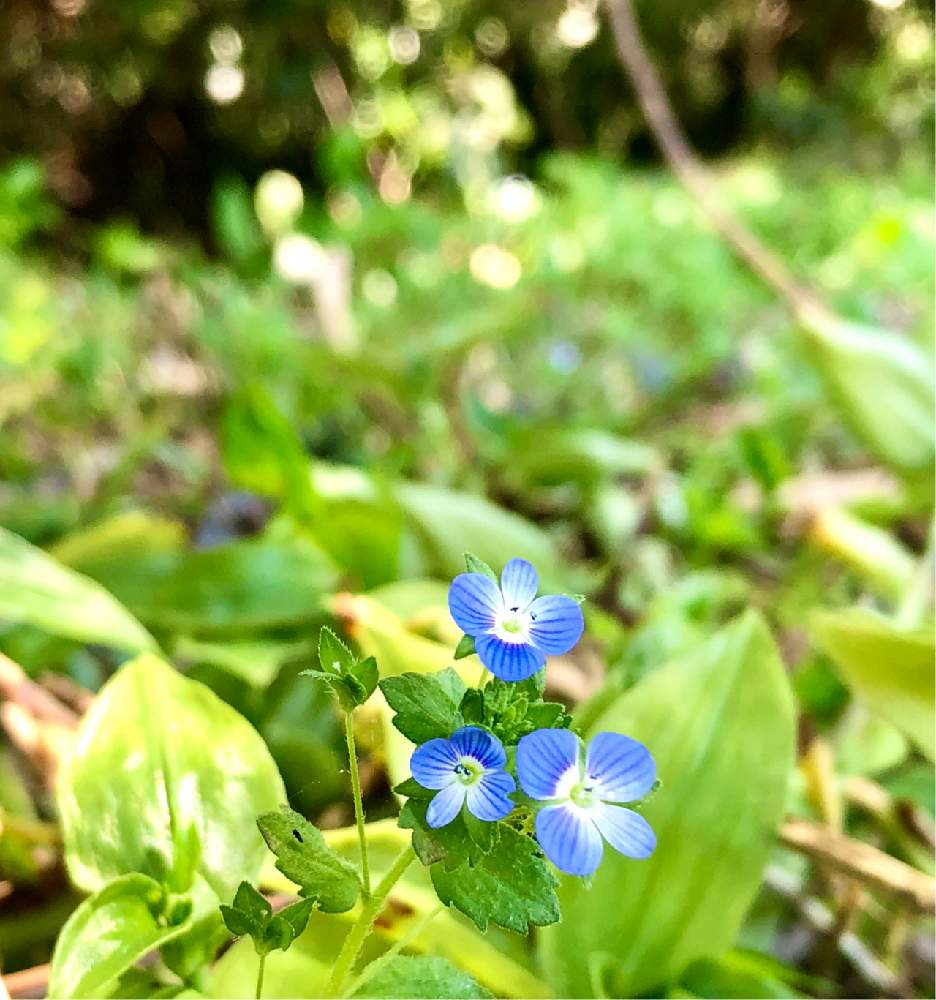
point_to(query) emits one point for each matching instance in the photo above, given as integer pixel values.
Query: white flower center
(468, 770)
(512, 625)
(583, 795)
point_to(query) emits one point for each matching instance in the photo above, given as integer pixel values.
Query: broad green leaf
(163, 770)
(303, 857)
(890, 669)
(418, 977)
(426, 705)
(720, 723)
(39, 591)
(465, 647)
(251, 914)
(242, 585)
(334, 655)
(108, 932)
(885, 386)
(512, 886)
(451, 522)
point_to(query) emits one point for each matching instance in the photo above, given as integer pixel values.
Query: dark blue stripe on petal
(569, 839)
(622, 768)
(473, 601)
(518, 583)
(446, 805)
(626, 831)
(510, 661)
(480, 744)
(543, 757)
(557, 624)
(433, 763)
(487, 800)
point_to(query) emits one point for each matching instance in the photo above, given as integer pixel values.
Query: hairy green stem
(403, 942)
(259, 992)
(369, 913)
(358, 802)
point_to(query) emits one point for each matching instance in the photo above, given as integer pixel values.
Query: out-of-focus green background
(299, 298)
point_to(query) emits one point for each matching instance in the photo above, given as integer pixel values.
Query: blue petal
(487, 799)
(471, 741)
(446, 805)
(622, 768)
(473, 601)
(518, 584)
(569, 839)
(625, 830)
(543, 757)
(433, 763)
(510, 661)
(557, 624)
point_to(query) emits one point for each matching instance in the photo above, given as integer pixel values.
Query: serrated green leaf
(248, 914)
(304, 858)
(296, 916)
(426, 705)
(421, 977)
(451, 844)
(334, 655)
(512, 886)
(465, 647)
(411, 788)
(107, 934)
(476, 565)
(365, 672)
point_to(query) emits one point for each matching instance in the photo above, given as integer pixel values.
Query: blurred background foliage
(305, 299)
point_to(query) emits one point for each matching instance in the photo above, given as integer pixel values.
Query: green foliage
(419, 977)
(146, 758)
(721, 725)
(251, 914)
(36, 589)
(475, 565)
(110, 931)
(303, 857)
(426, 705)
(510, 710)
(352, 681)
(889, 668)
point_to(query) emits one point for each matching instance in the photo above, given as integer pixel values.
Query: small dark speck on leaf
(298, 836)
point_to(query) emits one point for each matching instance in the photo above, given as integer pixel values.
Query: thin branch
(861, 861)
(668, 134)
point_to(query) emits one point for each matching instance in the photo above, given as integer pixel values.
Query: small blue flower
(467, 768)
(583, 797)
(514, 633)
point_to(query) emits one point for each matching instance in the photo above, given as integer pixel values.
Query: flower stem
(402, 942)
(482, 677)
(369, 913)
(259, 992)
(358, 802)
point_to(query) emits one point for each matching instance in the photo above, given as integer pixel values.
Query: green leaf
(720, 724)
(476, 565)
(165, 779)
(889, 668)
(108, 933)
(232, 588)
(451, 844)
(248, 914)
(450, 521)
(511, 710)
(885, 386)
(334, 655)
(251, 914)
(303, 857)
(426, 705)
(365, 672)
(38, 590)
(419, 977)
(465, 647)
(511, 886)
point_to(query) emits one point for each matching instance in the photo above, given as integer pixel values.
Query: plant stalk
(260, 970)
(358, 802)
(369, 913)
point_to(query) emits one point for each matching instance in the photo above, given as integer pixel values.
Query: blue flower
(583, 797)
(514, 633)
(467, 768)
